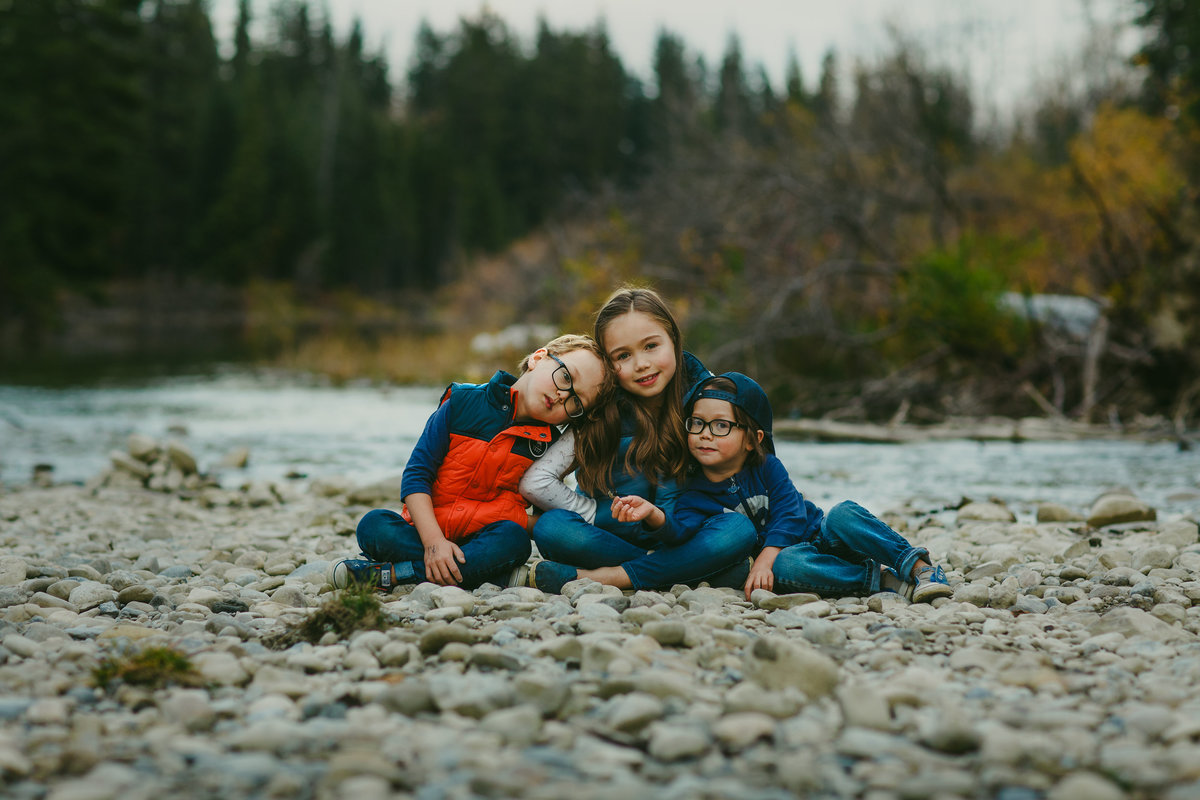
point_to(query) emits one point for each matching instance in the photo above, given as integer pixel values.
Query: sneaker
(931, 584)
(890, 581)
(361, 572)
(523, 575)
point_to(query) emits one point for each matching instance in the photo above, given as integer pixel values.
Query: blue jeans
(491, 552)
(569, 543)
(843, 560)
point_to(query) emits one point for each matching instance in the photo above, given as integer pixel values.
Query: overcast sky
(1004, 45)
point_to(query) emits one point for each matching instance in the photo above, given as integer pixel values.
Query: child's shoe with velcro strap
(931, 584)
(362, 572)
(523, 575)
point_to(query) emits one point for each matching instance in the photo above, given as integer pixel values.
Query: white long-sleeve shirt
(544, 483)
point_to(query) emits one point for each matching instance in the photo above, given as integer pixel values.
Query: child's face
(719, 456)
(641, 352)
(541, 397)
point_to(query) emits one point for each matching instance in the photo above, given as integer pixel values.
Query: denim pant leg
(492, 552)
(722, 541)
(854, 533)
(565, 537)
(806, 567)
(384, 535)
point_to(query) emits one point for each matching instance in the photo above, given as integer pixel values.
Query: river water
(303, 428)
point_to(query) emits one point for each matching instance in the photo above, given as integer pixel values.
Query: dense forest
(870, 250)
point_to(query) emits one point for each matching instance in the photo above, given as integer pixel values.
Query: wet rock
(1053, 512)
(1114, 509)
(130, 466)
(985, 512)
(142, 447)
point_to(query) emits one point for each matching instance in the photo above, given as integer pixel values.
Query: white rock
(632, 712)
(863, 707)
(220, 667)
(12, 570)
(739, 730)
(1156, 556)
(453, 597)
(49, 711)
(1178, 532)
(776, 663)
(90, 594)
(674, 742)
(1085, 786)
(985, 512)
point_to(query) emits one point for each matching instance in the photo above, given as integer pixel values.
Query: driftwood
(1029, 429)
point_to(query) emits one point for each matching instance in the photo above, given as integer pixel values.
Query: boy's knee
(370, 524)
(846, 508)
(514, 537)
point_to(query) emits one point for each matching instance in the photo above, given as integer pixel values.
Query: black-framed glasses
(562, 380)
(719, 427)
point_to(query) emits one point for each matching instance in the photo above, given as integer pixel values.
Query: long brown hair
(659, 448)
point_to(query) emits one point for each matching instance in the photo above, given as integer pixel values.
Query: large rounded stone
(90, 594)
(1114, 509)
(12, 570)
(985, 512)
(778, 664)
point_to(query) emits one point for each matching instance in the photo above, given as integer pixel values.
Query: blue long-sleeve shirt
(764, 493)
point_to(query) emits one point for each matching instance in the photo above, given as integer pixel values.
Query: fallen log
(992, 429)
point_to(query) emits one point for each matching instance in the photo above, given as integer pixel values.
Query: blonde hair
(569, 342)
(659, 448)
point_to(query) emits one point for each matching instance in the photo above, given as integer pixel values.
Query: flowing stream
(297, 428)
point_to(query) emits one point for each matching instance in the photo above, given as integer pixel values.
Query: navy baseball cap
(749, 397)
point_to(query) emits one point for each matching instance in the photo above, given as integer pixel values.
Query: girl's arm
(632, 508)
(543, 485)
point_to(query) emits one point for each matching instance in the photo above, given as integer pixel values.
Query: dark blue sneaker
(362, 572)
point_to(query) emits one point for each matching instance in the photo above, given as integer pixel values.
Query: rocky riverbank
(1065, 666)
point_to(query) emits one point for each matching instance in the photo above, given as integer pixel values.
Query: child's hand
(762, 575)
(440, 566)
(632, 508)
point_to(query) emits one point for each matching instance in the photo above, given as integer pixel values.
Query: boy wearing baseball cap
(847, 552)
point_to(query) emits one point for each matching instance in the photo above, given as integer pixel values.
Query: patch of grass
(150, 667)
(353, 609)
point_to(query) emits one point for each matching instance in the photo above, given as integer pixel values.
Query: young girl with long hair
(629, 461)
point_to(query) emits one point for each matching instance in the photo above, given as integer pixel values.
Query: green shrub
(353, 609)
(150, 667)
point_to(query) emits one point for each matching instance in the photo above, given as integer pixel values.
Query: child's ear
(750, 444)
(533, 358)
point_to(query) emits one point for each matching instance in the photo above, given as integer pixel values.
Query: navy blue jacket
(763, 493)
